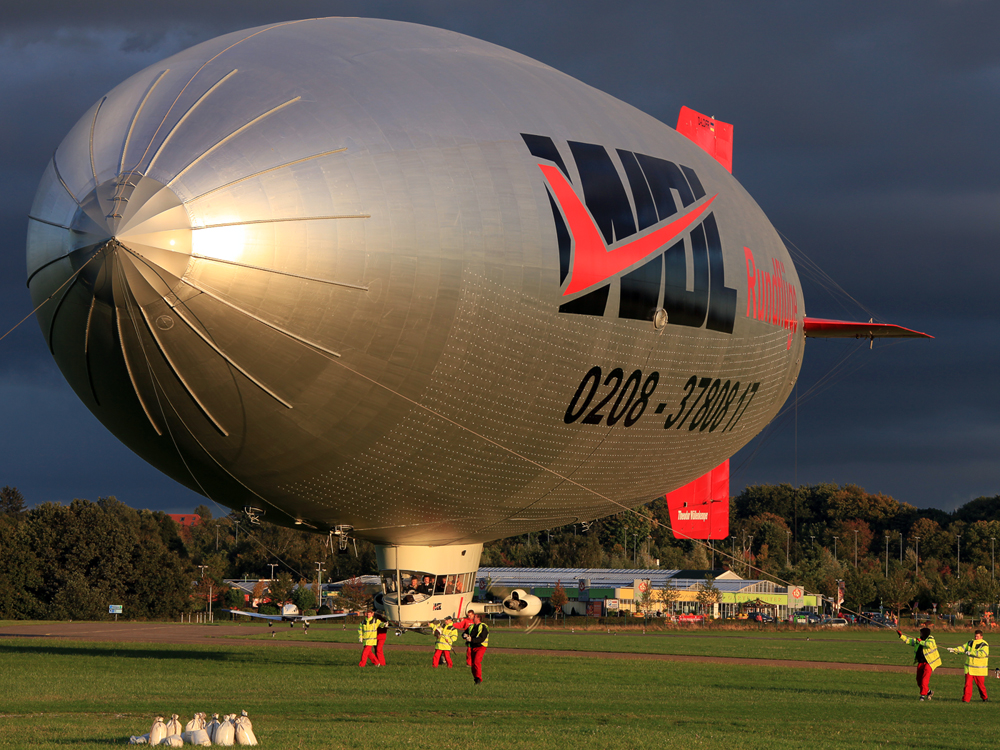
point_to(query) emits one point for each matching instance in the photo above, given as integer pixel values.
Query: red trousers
(437, 657)
(369, 652)
(478, 652)
(468, 656)
(379, 652)
(980, 683)
(924, 677)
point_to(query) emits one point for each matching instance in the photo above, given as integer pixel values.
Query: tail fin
(712, 135)
(821, 328)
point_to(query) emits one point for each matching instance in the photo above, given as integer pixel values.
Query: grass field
(58, 694)
(852, 645)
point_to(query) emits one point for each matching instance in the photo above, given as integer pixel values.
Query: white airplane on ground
(290, 614)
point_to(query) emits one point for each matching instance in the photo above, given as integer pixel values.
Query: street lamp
(319, 582)
(208, 604)
(958, 541)
(835, 547)
(788, 544)
(916, 540)
(993, 562)
(855, 548)
(887, 554)
(272, 566)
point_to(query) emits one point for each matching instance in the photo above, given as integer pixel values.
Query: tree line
(72, 561)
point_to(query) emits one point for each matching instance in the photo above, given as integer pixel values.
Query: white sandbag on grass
(197, 737)
(172, 740)
(244, 731)
(174, 726)
(212, 727)
(138, 739)
(198, 722)
(157, 732)
(225, 735)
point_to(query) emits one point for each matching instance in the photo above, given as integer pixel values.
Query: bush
(235, 599)
(268, 609)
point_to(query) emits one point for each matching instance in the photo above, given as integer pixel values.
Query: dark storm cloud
(864, 130)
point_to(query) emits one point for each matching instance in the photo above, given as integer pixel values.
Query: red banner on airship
(700, 509)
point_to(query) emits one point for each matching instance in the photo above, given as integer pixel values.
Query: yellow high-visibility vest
(930, 650)
(368, 632)
(977, 654)
(446, 636)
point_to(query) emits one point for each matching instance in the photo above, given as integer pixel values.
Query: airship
(379, 280)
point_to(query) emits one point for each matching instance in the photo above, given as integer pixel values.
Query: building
(185, 520)
(598, 592)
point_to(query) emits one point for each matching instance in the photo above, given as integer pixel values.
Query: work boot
(930, 694)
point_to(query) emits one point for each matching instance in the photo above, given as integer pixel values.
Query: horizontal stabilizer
(712, 135)
(820, 328)
(700, 509)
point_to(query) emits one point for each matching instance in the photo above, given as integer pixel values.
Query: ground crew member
(478, 636)
(926, 657)
(464, 624)
(368, 635)
(977, 654)
(381, 632)
(446, 635)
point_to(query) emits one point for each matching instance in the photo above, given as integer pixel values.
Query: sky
(863, 130)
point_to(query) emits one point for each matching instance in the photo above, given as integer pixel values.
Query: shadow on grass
(227, 655)
(117, 652)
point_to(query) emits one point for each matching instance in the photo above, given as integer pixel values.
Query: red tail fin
(712, 135)
(700, 509)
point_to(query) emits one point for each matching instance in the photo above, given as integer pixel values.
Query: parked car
(759, 617)
(805, 618)
(875, 619)
(834, 622)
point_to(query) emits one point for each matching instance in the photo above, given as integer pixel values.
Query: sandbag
(212, 727)
(172, 740)
(225, 735)
(198, 722)
(138, 739)
(196, 737)
(174, 726)
(244, 731)
(157, 732)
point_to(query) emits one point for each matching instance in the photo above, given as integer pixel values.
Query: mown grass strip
(56, 694)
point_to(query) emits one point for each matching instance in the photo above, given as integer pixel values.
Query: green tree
(304, 597)
(667, 596)
(898, 589)
(354, 595)
(708, 595)
(282, 588)
(647, 597)
(236, 599)
(861, 589)
(11, 502)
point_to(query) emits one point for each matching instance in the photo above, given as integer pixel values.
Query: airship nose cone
(132, 215)
(101, 266)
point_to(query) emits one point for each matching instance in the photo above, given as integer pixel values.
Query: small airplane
(290, 614)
